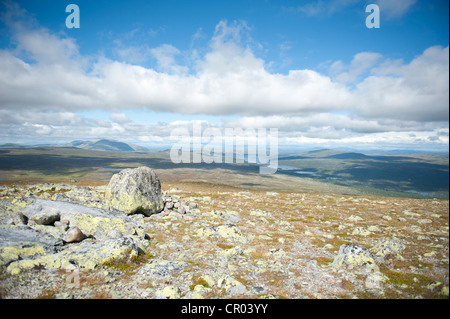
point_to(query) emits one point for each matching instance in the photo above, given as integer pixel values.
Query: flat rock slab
(84, 256)
(24, 242)
(94, 222)
(25, 234)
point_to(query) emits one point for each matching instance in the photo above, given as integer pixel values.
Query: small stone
(74, 234)
(169, 205)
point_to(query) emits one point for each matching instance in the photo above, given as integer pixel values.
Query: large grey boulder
(135, 191)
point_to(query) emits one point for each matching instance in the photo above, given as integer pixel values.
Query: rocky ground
(61, 241)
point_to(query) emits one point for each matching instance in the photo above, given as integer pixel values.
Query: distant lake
(297, 171)
(422, 193)
(307, 173)
(112, 169)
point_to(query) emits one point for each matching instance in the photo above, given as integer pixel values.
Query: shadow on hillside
(58, 164)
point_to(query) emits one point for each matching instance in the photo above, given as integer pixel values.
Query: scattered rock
(362, 231)
(199, 291)
(161, 268)
(135, 191)
(169, 292)
(351, 254)
(231, 286)
(354, 218)
(232, 252)
(227, 231)
(94, 222)
(25, 235)
(424, 221)
(20, 219)
(169, 205)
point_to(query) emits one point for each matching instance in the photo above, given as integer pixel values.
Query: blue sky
(136, 69)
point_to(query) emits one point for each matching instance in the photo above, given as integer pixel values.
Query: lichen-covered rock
(135, 191)
(16, 251)
(161, 268)
(227, 231)
(43, 215)
(231, 285)
(24, 242)
(84, 256)
(25, 234)
(361, 231)
(351, 254)
(169, 292)
(91, 221)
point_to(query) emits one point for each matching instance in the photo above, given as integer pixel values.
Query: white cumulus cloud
(371, 96)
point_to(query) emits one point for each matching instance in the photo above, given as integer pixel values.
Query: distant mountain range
(107, 145)
(100, 145)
